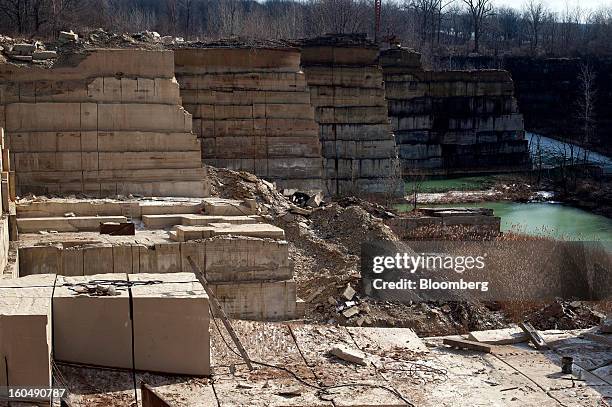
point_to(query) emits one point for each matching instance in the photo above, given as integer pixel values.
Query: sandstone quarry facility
(159, 202)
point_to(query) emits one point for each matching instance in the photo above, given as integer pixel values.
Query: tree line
(433, 27)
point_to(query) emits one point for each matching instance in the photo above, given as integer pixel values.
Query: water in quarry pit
(546, 219)
(553, 149)
(543, 219)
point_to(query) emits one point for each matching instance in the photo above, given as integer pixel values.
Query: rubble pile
(26, 51)
(563, 314)
(230, 184)
(325, 246)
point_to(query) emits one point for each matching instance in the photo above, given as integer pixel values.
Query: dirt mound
(565, 315)
(231, 184)
(325, 245)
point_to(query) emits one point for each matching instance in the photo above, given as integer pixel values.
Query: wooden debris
(117, 229)
(465, 344)
(534, 335)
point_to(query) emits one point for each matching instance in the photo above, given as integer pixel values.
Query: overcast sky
(559, 5)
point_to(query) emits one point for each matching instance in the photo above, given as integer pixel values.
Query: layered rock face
(252, 112)
(346, 88)
(450, 122)
(102, 122)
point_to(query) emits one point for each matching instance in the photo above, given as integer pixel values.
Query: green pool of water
(546, 219)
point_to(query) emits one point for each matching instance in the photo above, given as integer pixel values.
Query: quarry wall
(101, 122)
(347, 91)
(449, 122)
(252, 112)
(548, 91)
(110, 121)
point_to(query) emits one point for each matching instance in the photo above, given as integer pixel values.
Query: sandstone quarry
(449, 122)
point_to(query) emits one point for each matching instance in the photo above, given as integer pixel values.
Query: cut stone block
(350, 355)
(66, 224)
(42, 55)
(506, 336)
(450, 122)
(186, 233)
(80, 128)
(97, 259)
(25, 331)
(165, 221)
(94, 330)
(261, 230)
(249, 259)
(252, 116)
(358, 145)
(227, 207)
(40, 259)
(171, 324)
(274, 300)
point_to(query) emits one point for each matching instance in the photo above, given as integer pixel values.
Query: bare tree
(509, 23)
(228, 18)
(340, 16)
(534, 12)
(479, 10)
(585, 105)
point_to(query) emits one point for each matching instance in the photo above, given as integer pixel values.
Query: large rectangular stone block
(89, 329)
(25, 331)
(41, 259)
(344, 76)
(143, 117)
(171, 324)
(250, 259)
(257, 300)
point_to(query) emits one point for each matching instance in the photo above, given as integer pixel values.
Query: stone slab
(66, 224)
(171, 321)
(25, 330)
(94, 330)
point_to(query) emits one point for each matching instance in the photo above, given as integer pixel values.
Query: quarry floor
(293, 368)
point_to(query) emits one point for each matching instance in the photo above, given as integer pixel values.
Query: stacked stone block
(452, 121)
(346, 88)
(252, 112)
(252, 277)
(104, 122)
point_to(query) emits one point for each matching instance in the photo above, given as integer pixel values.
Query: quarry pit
(266, 165)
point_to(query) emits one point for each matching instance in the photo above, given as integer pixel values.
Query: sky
(559, 5)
